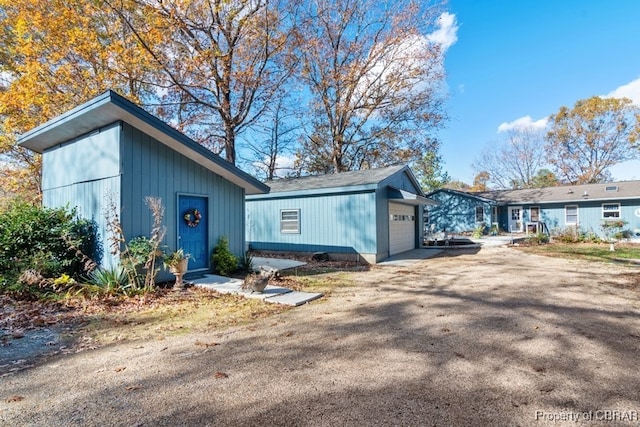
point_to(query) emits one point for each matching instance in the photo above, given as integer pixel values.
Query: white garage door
(402, 228)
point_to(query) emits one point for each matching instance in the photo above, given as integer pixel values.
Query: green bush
(51, 242)
(479, 231)
(110, 281)
(224, 262)
(246, 263)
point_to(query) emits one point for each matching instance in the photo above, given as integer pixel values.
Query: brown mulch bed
(18, 316)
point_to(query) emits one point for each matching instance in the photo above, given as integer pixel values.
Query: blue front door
(192, 230)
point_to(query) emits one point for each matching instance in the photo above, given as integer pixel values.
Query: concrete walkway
(411, 257)
(274, 294)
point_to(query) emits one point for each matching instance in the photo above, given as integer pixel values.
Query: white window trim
(612, 217)
(577, 215)
(296, 221)
(476, 213)
(531, 216)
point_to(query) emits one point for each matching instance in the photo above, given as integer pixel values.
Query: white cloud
(447, 33)
(525, 122)
(630, 90)
(284, 165)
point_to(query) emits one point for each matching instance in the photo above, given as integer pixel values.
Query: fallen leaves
(14, 398)
(220, 375)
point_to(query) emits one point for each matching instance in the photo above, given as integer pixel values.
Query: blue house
(109, 150)
(585, 206)
(365, 215)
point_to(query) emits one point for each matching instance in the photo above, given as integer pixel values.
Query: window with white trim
(290, 221)
(479, 214)
(571, 214)
(611, 210)
(534, 213)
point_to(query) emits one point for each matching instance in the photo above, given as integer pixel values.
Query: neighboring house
(586, 206)
(365, 215)
(109, 150)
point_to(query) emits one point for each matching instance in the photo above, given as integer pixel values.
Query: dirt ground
(496, 337)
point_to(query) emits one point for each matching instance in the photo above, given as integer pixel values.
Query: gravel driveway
(497, 337)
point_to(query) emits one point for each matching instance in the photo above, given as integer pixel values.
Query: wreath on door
(192, 217)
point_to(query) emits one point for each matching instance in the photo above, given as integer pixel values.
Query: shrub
(479, 231)
(570, 234)
(613, 229)
(537, 239)
(52, 242)
(224, 262)
(246, 262)
(110, 280)
(138, 257)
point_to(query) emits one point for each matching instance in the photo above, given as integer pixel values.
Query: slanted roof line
(363, 177)
(110, 107)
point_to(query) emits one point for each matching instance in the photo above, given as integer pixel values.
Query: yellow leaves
(583, 142)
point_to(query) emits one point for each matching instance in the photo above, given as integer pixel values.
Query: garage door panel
(402, 228)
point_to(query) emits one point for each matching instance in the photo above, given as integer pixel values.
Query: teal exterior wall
(343, 223)
(153, 169)
(123, 165)
(456, 213)
(590, 215)
(82, 173)
(350, 220)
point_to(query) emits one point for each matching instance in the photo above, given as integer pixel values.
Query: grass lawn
(592, 251)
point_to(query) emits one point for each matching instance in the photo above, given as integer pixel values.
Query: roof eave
(111, 107)
(366, 188)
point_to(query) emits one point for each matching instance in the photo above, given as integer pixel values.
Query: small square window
(290, 221)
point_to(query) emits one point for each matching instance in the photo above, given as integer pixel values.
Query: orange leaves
(597, 133)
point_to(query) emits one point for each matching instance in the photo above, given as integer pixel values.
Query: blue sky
(520, 61)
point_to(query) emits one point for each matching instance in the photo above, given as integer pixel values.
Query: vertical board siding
(152, 169)
(590, 215)
(382, 223)
(456, 213)
(92, 200)
(400, 181)
(342, 223)
(87, 158)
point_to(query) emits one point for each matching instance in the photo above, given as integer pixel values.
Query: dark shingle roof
(344, 179)
(569, 193)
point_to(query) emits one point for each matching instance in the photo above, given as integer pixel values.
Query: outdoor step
(274, 294)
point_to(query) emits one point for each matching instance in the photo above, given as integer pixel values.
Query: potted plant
(176, 262)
